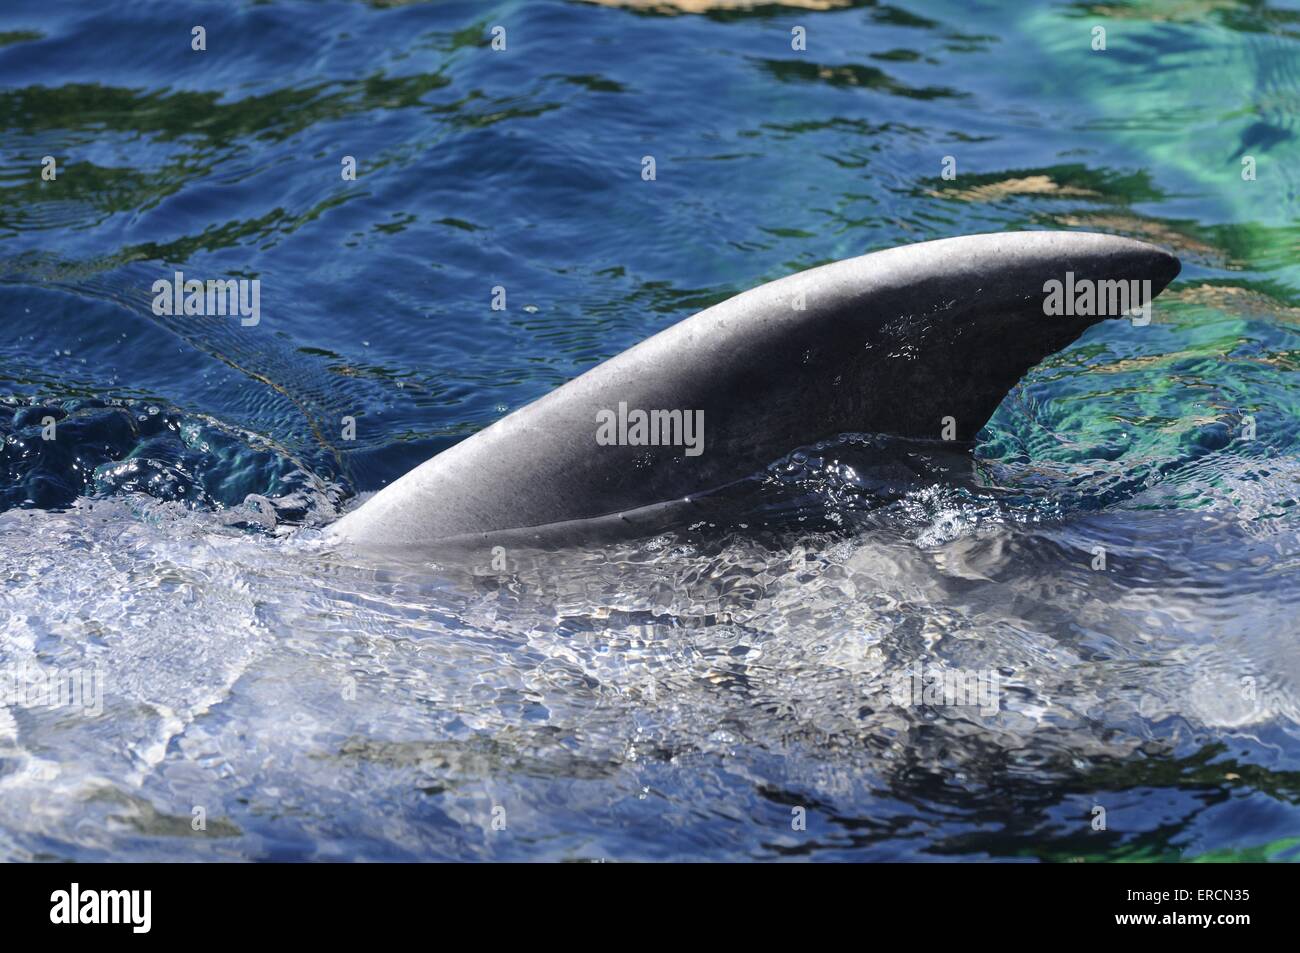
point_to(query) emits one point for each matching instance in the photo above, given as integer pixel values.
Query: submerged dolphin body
(891, 342)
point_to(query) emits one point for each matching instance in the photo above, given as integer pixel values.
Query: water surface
(688, 696)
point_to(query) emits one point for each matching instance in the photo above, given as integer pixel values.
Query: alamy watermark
(653, 428)
(1108, 298)
(133, 908)
(935, 686)
(34, 686)
(216, 296)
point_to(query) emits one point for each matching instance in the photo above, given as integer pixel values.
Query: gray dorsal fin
(890, 342)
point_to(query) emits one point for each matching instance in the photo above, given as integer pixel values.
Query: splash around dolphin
(907, 341)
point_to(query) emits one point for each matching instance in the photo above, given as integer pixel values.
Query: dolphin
(920, 341)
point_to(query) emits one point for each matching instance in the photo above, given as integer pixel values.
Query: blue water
(670, 698)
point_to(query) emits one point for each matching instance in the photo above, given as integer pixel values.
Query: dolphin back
(891, 342)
